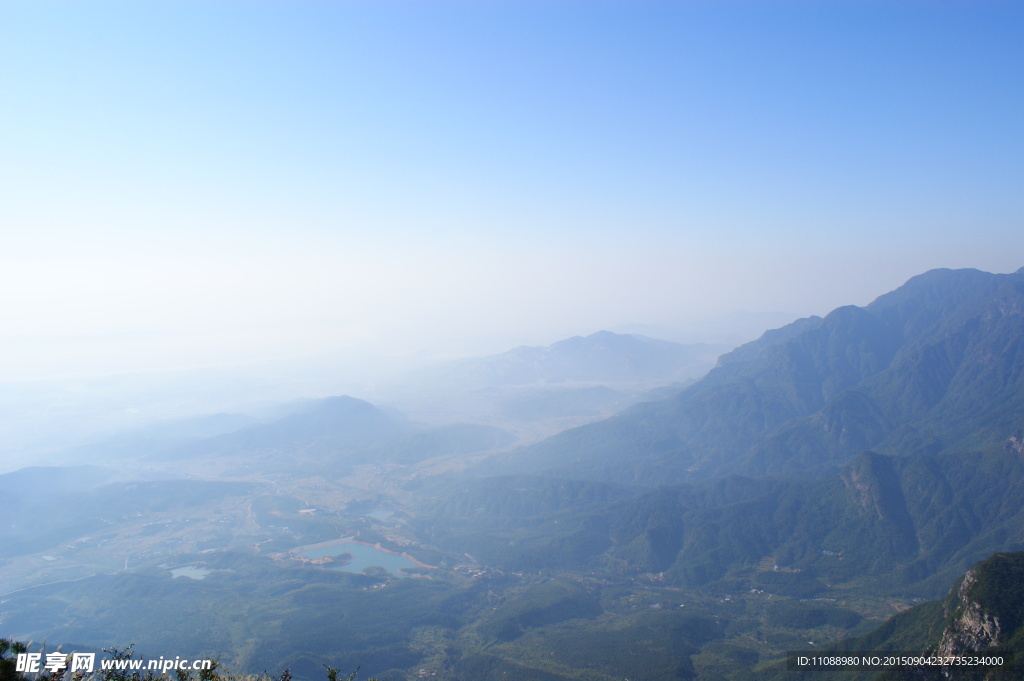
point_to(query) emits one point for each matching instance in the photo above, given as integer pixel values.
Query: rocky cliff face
(972, 628)
(984, 614)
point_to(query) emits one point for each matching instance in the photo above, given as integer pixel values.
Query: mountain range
(537, 391)
(601, 358)
(816, 481)
(881, 444)
(932, 367)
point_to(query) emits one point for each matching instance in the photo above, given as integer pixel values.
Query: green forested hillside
(983, 615)
(932, 366)
(905, 524)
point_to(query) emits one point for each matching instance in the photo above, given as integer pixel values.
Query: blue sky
(195, 183)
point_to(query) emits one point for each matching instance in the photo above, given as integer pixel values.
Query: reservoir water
(363, 556)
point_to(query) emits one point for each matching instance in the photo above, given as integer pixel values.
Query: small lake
(363, 556)
(190, 571)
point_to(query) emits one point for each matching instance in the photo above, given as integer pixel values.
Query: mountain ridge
(602, 357)
(806, 398)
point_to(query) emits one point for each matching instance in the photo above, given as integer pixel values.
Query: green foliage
(797, 615)
(542, 604)
(995, 587)
(901, 523)
(9, 650)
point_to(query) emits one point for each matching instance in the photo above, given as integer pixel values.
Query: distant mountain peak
(603, 357)
(929, 366)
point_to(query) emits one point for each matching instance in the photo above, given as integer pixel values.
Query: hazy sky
(192, 183)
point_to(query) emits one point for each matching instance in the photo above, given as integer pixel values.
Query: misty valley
(607, 507)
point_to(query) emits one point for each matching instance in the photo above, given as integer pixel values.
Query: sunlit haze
(203, 184)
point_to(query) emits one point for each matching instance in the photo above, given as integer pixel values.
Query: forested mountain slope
(981, 617)
(936, 365)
